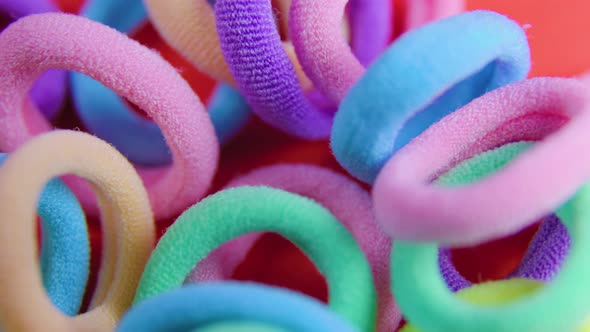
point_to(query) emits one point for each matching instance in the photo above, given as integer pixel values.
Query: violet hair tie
(420, 79)
(40, 42)
(264, 74)
(106, 115)
(327, 58)
(500, 204)
(49, 91)
(349, 203)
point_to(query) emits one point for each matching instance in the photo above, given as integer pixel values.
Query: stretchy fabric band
(106, 115)
(501, 204)
(421, 12)
(239, 327)
(560, 305)
(420, 79)
(189, 27)
(542, 260)
(326, 57)
(210, 223)
(347, 201)
(39, 42)
(65, 248)
(549, 246)
(127, 227)
(49, 90)
(197, 305)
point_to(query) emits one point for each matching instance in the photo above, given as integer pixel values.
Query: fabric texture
(127, 226)
(196, 306)
(419, 79)
(49, 90)
(44, 41)
(210, 223)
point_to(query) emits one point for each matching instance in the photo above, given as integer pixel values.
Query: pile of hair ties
(140, 216)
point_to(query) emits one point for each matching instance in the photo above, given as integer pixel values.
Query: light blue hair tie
(107, 116)
(425, 75)
(195, 306)
(65, 248)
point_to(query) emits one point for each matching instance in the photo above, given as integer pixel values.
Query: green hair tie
(238, 211)
(561, 305)
(239, 327)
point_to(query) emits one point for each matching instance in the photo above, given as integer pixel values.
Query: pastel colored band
(128, 231)
(555, 110)
(347, 201)
(560, 305)
(49, 91)
(542, 260)
(65, 248)
(40, 42)
(210, 223)
(326, 56)
(197, 306)
(419, 80)
(239, 326)
(189, 27)
(106, 115)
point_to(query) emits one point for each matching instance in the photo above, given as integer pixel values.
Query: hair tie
(420, 79)
(39, 42)
(197, 306)
(210, 223)
(127, 226)
(327, 58)
(421, 12)
(65, 253)
(528, 110)
(49, 90)
(560, 305)
(105, 114)
(347, 201)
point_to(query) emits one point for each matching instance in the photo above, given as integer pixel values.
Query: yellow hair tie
(128, 231)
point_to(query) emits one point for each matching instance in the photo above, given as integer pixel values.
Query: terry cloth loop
(106, 115)
(210, 223)
(419, 80)
(44, 41)
(128, 230)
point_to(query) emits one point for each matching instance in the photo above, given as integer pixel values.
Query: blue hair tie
(198, 305)
(425, 75)
(107, 116)
(65, 248)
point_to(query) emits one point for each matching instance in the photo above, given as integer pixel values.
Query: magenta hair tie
(49, 91)
(54, 40)
(542, 260)
(265, 75)
(502, 203)
(349, 203)
(421, 12)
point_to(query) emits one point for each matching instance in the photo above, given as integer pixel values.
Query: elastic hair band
(421, 12)
(562, 304)
(106, 115)
(189, 27)
(127, 227)
(419, 80)
(49, 90)
(65, 248)
(347, 201)
(327, 58)
(239, 326)
(210, 223)
(39, 42)
(530, 110)
(199, 305)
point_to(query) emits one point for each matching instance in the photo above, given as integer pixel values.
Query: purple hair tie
(49, 91)
(264, 74)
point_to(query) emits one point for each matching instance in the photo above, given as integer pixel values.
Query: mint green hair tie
(561, 305)
(238, 211)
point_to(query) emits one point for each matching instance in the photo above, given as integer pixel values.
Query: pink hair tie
(502, 203)
(37, 43)
(325, 55)
(349, 203)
